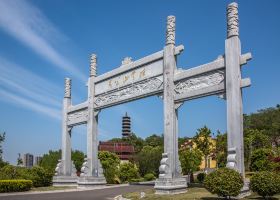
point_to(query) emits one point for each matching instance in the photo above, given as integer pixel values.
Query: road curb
(61, 191)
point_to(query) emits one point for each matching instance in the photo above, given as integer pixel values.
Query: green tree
(148, 160)
(2, 139)
(190, 160)
(50, 160)
(182, 140)
(267, 120)
(137, 142)
(19, 160)
(154, 141)
(128, 171)
(203, 142)
(260, 160)
(254, 139)
(78, 159)
(221, 149)
(110, 163)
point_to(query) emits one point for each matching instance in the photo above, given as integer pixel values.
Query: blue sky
(41, 42)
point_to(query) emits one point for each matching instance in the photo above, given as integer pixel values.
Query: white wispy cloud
(28, 24)
(20, 101)
(28, 85)
(27, 90)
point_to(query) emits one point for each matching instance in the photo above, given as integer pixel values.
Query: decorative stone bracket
(232, 158)
(85, 170)
(59, 168)
(164, 169)
(73, 170)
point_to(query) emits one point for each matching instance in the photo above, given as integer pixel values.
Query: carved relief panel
(77, 117)
(199, 82)
(147, 87)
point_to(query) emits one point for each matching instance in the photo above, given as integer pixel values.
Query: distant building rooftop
(124, 150)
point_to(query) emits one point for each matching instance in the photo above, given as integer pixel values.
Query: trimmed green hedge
(265, 183)
(15, 185)
(224, 182)
(149, 177)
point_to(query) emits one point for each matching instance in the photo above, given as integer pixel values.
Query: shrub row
(227, 183)
(149, 177)
(15, 185)
(38, 175)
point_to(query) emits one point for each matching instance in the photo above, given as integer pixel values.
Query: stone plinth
(170, 185)
(90, 181)
(65, 181)
(245, 191)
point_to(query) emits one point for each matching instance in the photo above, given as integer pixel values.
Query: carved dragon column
(92, 172)
(65, 172)
(235, 157)
(169, 180)
(66, 132)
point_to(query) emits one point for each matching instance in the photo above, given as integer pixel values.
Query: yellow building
(211, 158)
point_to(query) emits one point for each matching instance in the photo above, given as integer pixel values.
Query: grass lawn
(51, 188)
(192, 193)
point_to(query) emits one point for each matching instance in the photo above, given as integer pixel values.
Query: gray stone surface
(170, 185)
(90, 181)
(64, 181)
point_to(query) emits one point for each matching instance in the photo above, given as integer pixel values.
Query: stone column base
(90, 181)
(245, 191)
(170, 185)
(64, 181)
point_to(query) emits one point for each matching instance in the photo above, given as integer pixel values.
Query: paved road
(99, 194)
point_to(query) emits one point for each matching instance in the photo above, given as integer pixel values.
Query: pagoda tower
(126, 126)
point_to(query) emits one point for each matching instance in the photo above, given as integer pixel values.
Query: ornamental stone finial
(170, 30)
(232, 20)
(67, 93)
(93, 64)
(126, 60)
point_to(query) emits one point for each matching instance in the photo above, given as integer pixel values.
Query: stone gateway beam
(157, 74)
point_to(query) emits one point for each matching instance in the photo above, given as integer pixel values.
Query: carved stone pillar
(235, 159)
(169, 180)
(92, 172)
(233, 91)
(65, 169)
